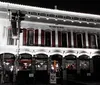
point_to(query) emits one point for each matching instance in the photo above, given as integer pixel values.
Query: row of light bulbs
(56, 19)
(64, 20)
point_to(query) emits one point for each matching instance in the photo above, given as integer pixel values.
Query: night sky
(85, 6)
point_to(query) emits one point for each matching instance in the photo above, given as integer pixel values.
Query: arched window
(92, 40)
(78, 39)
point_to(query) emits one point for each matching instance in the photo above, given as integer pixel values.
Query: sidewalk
(85, 82)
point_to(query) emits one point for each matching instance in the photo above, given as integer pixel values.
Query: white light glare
(87, 22)
(29, 16)
(55, 19)
(38, 17)
(47, 18)
(8, 13)
(72, 21)
(64, 20)
(94, 23)
(80, 22)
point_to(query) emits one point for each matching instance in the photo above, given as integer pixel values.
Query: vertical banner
(36, 37)
(53, 38)
(54, 65)
(42, 37)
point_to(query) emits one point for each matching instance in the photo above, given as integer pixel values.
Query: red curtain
(36, 37)
(53, 38)
(42, 37)
(59, 39)
(24, 37)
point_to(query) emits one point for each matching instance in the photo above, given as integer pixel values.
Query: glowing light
(7, 63)
(55, 19)
(38, 17)
(72, 21)
(80, 22)
(94, 23)
(29, 16)
(47, 18)
(8, 13)
(64, 20)
(87, 22)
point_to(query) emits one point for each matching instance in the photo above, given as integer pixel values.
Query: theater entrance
(56, 68)
(7, 64)
(41, 69)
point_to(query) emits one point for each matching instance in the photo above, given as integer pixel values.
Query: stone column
(86, 35)
(56, 36)
(72, 40)
(39, 37)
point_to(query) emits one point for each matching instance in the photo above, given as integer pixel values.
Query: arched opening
(41, 71)
(24, 69)
(96, 67)
(56, 67)
(84, 65)
(6, 65)
(25, 61)
(70, 65)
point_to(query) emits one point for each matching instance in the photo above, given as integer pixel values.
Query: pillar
(64, 69)
(39, 37)
(72, 40)
(78, 65)
(56, 36)
(49, 64)
(91, 65)
(86, 35)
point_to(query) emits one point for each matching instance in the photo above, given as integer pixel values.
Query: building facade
(51, 39)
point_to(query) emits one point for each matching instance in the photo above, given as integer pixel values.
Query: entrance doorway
(71, 70)
(84, 63)
(96, 67)
(7, 64)
(41, 69)
(24, 69)
(56, 67)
